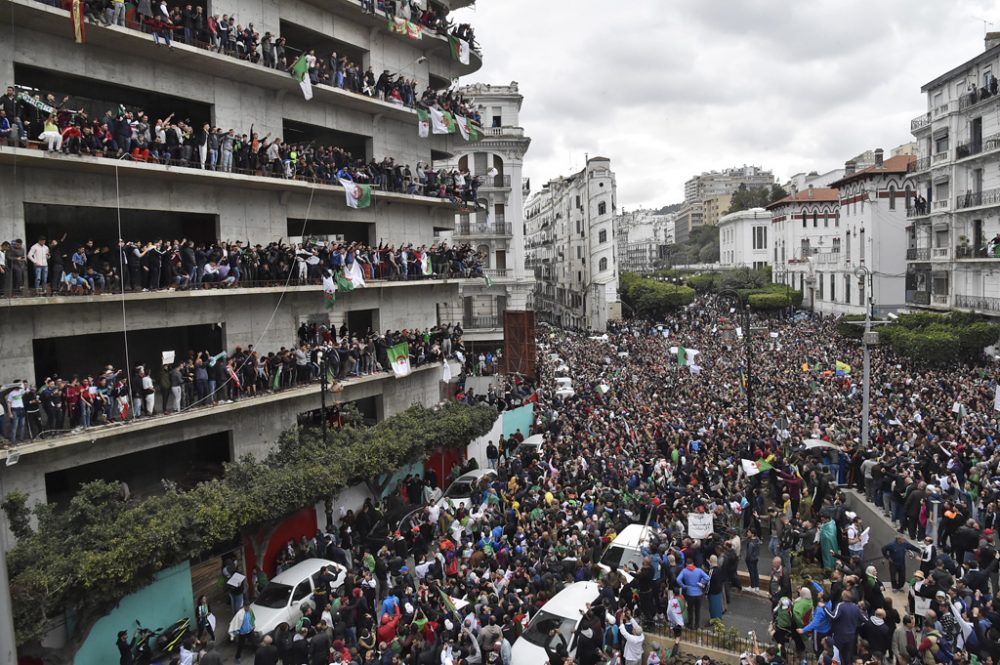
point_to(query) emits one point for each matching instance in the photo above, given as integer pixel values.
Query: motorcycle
(148, 646)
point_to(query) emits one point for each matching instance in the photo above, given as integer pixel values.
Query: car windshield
(538, 630)
(613, 556)
(274, 595)
(459, 488)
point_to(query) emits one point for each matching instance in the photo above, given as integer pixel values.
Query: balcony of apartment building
(977, 147)
(921, 123)
(927, 288)
(977, 97)
(989, 305)
(495, 228)
(134, 41)
(500, 181)
(919, 165)
(975, 199)
(504, 132)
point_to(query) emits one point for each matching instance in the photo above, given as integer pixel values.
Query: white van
(624, 550)
(562, 613)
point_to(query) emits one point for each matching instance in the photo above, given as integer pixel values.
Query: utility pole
(869, 339)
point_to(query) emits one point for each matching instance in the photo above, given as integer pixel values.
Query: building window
(602, 236)
(861, 247)
(577, 200)
(760, 237)
(602, 208)
(836, 220)
(815, 220)
(892, 197)
(803, 220)
(819, 280)
(833, 288)
(579, 252)
(836, 245)
(847, 289)
(602, 264)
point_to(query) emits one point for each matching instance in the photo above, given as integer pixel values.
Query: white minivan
(562, 613)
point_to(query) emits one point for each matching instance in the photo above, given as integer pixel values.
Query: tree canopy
(746, 198)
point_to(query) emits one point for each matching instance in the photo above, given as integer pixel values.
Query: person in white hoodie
(631, 631)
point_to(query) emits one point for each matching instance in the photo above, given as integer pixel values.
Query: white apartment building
(571, 248)
(497, 228)
(641, 237)
(951, 261)
(806, 229)
(744, 239)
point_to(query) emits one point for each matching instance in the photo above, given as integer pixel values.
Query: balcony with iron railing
(921, 122)
(987, 197)
(973, 99)
(488, 229)
(921, 211)
(918, 297)
(976, 146)
(972, 253)
(918, 254)
(918, 165)
(978, 303)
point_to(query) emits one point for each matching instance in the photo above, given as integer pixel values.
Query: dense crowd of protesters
(200, 378)
(645, 440)
(53, 267)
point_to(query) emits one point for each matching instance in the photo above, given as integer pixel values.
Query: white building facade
(951, 259)
(807, 235)
(745, 239)
(497, 228)
(642, 237)
(571, 248)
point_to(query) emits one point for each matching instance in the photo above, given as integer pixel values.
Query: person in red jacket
(387, 630)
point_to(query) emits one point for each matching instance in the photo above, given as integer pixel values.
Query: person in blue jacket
(820, 626)
(693, 582)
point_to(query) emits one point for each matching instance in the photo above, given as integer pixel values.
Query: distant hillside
(666, 210)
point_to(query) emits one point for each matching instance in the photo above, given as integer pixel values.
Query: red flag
(76, 16)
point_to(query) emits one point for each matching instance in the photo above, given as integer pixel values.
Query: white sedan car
(459, 493)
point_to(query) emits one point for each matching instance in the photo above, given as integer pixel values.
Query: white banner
(700, 525)
(996, 399)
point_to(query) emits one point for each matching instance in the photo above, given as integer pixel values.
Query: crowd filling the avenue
(649, 437)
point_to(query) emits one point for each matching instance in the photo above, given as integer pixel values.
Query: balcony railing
(827, 257)
(971, 99)
(942, 204)
(918, 298)
(940, 157)
(939, 299)
(943, 109)
(987, 197)
(970, 252)
(481, 322)
(918, 254)
(496, 272)
(978, 303)
(491, 229)
(918, 165)
(917, 212)
(920, 122)
(496, 182)
(940, 253)
(503, 131)
(976, 146)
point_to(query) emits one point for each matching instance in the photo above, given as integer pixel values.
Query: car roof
(475, 474)
(534, 440)
(568, 602)
(633, 535)
(300, 571)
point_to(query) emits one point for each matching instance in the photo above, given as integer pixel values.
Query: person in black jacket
(267, 653)
(124, 648)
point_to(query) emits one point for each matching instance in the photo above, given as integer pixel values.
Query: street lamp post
(323, 362)
(743, 307)
(869, 339)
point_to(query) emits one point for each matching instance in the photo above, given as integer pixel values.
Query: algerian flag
(441, 122)
(399, 358)
(764, 464)
(603, 388)
(358, 196)
(425, 264)
(344, 284)
(354, 274)
(300, 70)
(681, 356)
(329, 290)
(459, 50)
(749, 467)
(463, 126)
(423, 123)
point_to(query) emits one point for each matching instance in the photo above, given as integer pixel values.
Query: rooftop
(892, 165)
(815, 194)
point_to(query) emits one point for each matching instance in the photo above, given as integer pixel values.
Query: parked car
(562, 613)
(460, 492)
(282, 599)
(402, 520)
(532, 445)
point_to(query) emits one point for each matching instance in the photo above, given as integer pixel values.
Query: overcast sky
(669, 88)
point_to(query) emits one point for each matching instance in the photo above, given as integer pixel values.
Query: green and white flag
(487, 281)
(344, 284)
(329, 290)
(358, 196)
(460, 50)
(467, 128)
(300, 70)
(681, 356)
(426, 267)
(423, 123)
(442, 122)
(399, 358)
